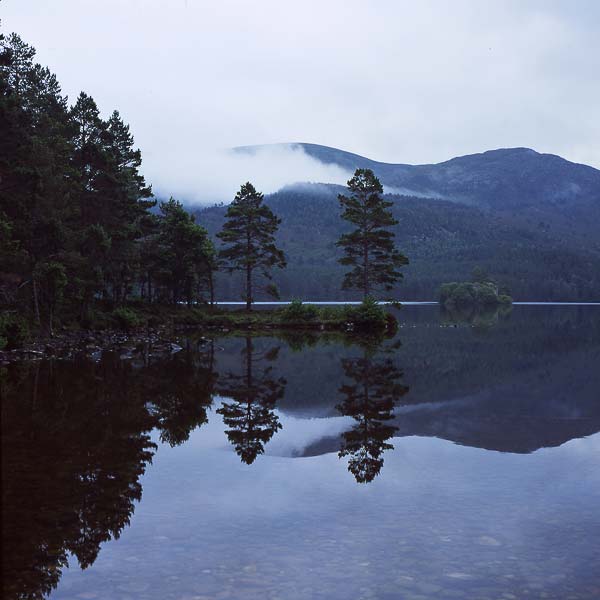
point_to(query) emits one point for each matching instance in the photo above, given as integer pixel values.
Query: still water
(459, 459)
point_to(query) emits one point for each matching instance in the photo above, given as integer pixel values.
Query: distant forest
(444, 241)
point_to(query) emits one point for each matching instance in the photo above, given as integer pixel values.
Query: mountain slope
(443, 240)
(496, 178)
(532, 220)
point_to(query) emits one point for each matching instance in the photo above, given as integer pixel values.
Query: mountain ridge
(497, 178)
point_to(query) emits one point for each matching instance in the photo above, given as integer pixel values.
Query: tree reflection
(74, 445)
(181, 389)
(369, 398)
(479, 317)
(75, 442)
(250, 417)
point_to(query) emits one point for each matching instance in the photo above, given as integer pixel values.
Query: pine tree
(88, 159)
(249, 239)
(125, 201)
(369, 249)
(34, 150)
(185, 252)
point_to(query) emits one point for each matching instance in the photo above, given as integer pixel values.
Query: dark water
(456, 460)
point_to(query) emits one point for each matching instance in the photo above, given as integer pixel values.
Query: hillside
(526, 187)
(444, 240)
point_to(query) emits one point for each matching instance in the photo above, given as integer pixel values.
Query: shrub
(296, 310)
(367, 314)
(471, 294)
(126, 318)
(14, 331)
(331, 313)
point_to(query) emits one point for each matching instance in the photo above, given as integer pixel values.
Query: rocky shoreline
(68, 345)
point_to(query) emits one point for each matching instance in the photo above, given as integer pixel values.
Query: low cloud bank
(212, 176)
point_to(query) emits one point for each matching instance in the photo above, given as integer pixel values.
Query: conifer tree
(125, 199)
(249, 239)
(185, 251)
(369, 249)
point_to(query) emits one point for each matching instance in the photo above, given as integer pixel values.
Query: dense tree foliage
(76, 225)
(369, 248)
(248, 236)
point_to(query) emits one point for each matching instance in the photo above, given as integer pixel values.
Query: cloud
(396, 81)
(206, 175)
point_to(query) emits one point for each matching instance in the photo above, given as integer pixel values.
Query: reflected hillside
(443, 359)
(524, 381)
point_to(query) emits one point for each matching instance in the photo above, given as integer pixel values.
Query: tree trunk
(248, 288)
(248, 274)
(248, 363)
(365, 270)
(211, 286)
(36, 303)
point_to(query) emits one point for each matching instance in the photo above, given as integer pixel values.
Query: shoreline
(402, 302)
(163, 327)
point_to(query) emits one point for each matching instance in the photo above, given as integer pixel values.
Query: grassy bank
(296, 315)
(135, 317)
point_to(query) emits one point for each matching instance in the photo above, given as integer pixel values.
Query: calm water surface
(459, 459)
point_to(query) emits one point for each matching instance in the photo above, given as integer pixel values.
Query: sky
(396, 81)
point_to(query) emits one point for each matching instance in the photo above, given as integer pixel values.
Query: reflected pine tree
(181, 389)
(370, 397)
(250, 418)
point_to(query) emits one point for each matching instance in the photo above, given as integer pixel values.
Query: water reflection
(370, 396)
(482, 317)
(180, 389)
(76, 436)
(250, 417)
(75, 442)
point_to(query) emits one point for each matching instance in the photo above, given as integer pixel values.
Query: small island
(482, 292)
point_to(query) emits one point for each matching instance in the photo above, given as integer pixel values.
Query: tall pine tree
(249, 239)
(369, 249)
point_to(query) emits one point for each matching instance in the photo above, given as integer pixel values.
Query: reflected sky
(444, 517)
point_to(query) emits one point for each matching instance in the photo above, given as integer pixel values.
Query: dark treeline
(76, 223)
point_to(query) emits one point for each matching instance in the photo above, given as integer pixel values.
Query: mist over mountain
(508, 176)
(532, 220)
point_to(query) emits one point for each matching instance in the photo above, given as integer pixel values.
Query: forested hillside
(444, 241)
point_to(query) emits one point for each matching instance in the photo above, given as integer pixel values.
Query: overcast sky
(397, 81)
